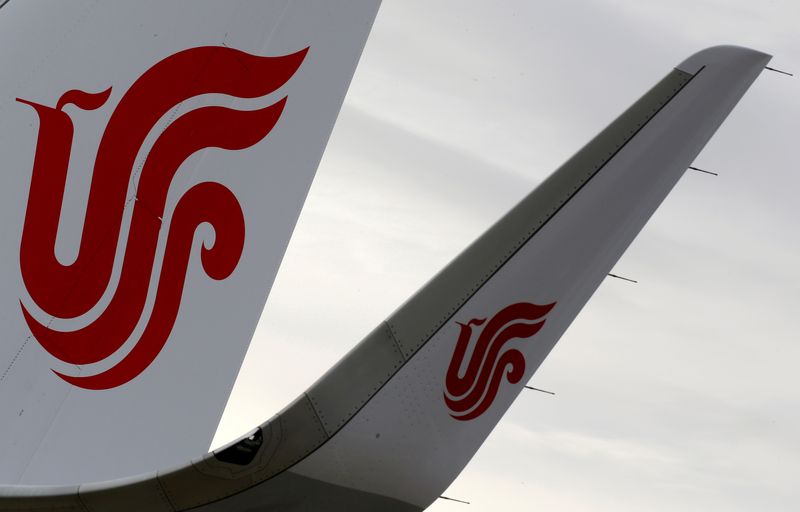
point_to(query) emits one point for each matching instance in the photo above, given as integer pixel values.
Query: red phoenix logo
(470, 391)
(69, 291)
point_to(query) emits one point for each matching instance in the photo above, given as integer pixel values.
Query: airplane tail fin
(158, 155)
(397, 419)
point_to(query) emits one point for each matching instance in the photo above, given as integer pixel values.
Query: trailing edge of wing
(383, 429)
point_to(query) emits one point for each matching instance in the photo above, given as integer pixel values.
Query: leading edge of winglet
(723, 55)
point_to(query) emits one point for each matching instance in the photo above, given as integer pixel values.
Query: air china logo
(470, 390)
(69, 291)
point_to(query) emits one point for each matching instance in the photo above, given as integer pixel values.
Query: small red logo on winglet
(470, 390)
(72, 290)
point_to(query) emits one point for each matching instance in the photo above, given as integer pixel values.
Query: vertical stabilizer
(155, 159)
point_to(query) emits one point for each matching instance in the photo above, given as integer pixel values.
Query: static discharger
(703, 170)
(539, 390)
(778, 71)
(615, 276)
(453, 499)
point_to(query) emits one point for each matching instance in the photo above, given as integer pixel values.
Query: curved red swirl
(471, 394)
(205, 202)
(67, 291)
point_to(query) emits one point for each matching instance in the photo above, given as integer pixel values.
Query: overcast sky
(677, 393)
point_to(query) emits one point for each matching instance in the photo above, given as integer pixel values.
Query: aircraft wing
(397, 419)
